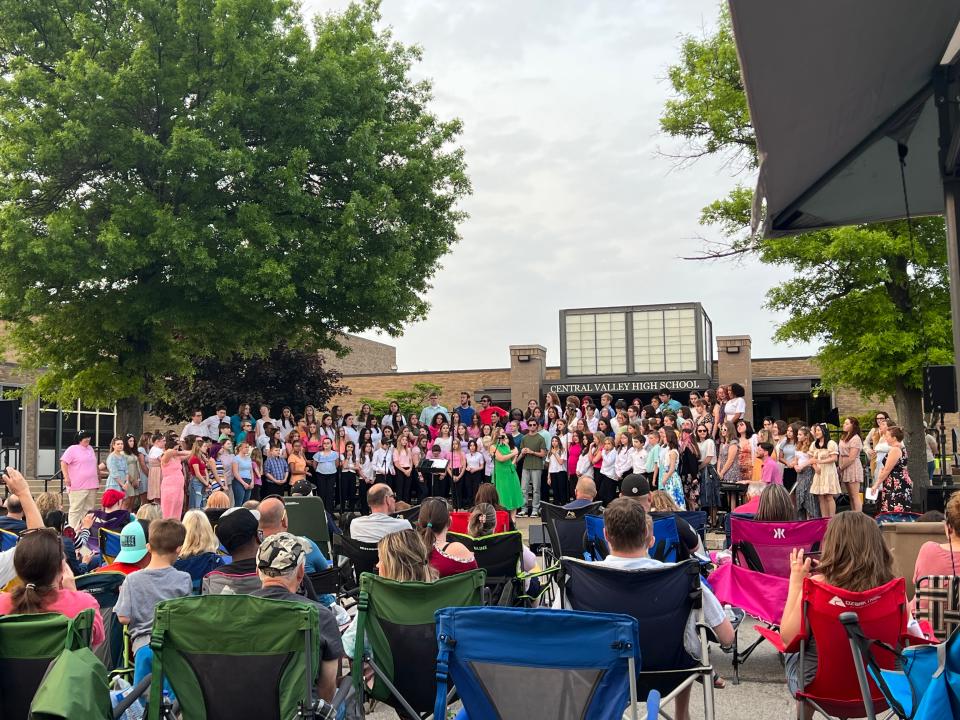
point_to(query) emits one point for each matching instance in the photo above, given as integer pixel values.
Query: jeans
(196, 494)
(240, 493)
(528, 478)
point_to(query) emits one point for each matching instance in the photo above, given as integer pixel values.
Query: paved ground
(761, 694)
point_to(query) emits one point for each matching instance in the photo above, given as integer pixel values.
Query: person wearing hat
(281, 567)
(636, 487)
(133, 553)
(81, 477)
(238, 530)
(113, 516)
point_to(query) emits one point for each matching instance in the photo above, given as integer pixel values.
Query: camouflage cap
(280, 553)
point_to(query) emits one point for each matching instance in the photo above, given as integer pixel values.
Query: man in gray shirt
(378, 524)
(533, 449)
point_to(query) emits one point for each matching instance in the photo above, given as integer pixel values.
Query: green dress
(506, 482)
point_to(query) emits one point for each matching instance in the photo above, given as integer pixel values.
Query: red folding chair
(835, 690)
(459, 519)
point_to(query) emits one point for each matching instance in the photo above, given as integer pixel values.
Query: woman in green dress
(505, 478)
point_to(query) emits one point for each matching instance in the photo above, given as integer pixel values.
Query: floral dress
(896, 492)
(671, 484)
(733, 474)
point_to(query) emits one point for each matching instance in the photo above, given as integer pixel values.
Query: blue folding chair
(661, 600)
(697, 519)
(520, 663)
(109, 544)
(8, 540)
(666, 547)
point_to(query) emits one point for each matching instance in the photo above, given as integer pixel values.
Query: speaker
(10, 420)
(940, 388)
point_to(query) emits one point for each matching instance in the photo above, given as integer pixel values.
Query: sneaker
(521, 513)
(535, 513)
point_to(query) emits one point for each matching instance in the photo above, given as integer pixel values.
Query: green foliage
(190, 179)
(410, 401)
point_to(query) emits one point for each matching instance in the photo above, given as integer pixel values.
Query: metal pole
(951, 213)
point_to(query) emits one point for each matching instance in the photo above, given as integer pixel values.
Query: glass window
(102, 423)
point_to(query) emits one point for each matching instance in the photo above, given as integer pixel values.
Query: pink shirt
(771, 472)
(81, 465)
(69, 603)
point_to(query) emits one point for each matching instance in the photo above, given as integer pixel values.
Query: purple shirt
(81, 465)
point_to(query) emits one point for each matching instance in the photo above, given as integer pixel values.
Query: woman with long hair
(46, 582)
(876, 443)
(557, 471)
(405, 467)
(286, 421)
(669, 461)
(297, 461)
(788, 455)
(197, 466)
(473, 475)
(744, 435)
(376, 432)
(435, 424)
(172, 484)
(475, 429)
(826, 481)
(893, 479)
(242, 472)
(447, 558)
(776, 504)
(848, 463)
(365, 412)
(461, 436)
(349, 478)
(158, 443)
(456, 467)
(689, 465)
(327, 428)
(136, 482)
(198, 555)
(710, 495)
(808, 507)
(505, 477)
(327, 462)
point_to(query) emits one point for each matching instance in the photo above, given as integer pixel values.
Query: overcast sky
(572, 204)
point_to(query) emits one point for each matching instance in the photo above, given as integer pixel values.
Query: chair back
(883, 616)
(109, 544)
(905, 540)
(519, 663)
(498, 554)
(937, 601)
(105, 588)
(307, 516)
(411, 514)
(697, 519)
(8, 540)
(198, 641)
(660, 599)
(549, 511)
(363, 556)
(326, 582)
(28, 644)
(666, 540)
(396, 622)
(460, 521)
(765, 546)
(594, 543)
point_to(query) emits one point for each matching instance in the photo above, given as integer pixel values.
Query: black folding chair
(565, 529)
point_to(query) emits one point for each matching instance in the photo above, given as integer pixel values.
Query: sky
(575, 202)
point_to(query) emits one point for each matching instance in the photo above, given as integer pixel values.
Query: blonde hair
(200, 537)
(149, 512)
(952, 513)
(218, 500)
(404, 558)
(661, 501)
(48, 502)
(483, 520)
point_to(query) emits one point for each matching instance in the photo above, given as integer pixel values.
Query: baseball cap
(280, 553)
(634, 485)
(301, 487)
(112, 497)
(236, 527)
(133, 543)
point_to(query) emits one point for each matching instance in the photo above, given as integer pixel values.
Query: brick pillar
(734, 366)
(528, 364)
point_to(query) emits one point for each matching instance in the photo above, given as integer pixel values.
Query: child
(142, 590)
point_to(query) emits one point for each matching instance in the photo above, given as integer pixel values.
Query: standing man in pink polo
(81, 477)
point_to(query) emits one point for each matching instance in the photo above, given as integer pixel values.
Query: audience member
(281, 566)
(776, 504)
(483, 522)
(585, 494)
(113, 516)
(448, 558)
(133, 553)
(378, 524)
(754, 490)
(942, 558)
(13, 521)
(17, 484)
(636, 487)
(239, 533)
(198, 556)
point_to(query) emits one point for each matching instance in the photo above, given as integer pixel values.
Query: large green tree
(194, 178)
(875, 297)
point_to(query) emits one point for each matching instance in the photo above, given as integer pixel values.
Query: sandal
(718, 682)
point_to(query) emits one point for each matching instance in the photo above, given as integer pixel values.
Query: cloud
(572, 206)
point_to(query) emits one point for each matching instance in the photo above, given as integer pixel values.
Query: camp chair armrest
(552, 570)
(774, 637)
(907, 640)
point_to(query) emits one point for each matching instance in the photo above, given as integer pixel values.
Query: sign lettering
(630, 386)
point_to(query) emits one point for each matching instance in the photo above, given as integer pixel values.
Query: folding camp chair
(270, 648)
(8, 540)
(697, 519)
(666, 547)
(565, 529)
(396, 636)
(109, 544)
(363, 557)
(460, 520)
(925, 683)
(835, 690)
(500, 555)
(105, 588)
(308, 517)
(594, 543)
(410, 514)
(28, 644)
(766, 546)
(512, 664)
(937, 602)
(661, 599)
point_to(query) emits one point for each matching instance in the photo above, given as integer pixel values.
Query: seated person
(690, 543)
(483, 521)
(776, 505)
(754, 490)
(133, 553)
(141, 591)
(374, 527)
(855, 558)
(942, 558)
(487, 493)
(13, 521)
(57, 519)
(239, 533)
(47, 582)
(198, 556)
(218, 503)
(112, 516)
(447, 558)
(584, 494)
(281, 565)
(628, 530)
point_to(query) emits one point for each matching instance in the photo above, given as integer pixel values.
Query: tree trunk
(130, 416)
(908, 402)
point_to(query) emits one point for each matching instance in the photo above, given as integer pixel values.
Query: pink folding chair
(765, 546)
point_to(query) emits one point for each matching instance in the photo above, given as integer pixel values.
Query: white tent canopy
(834, 86)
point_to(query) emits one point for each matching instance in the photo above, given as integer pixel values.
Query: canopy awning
(834, 86)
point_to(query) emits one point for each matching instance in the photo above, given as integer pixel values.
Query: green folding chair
(396, 635)
(307, 516)
(235, 656)
(28, 644)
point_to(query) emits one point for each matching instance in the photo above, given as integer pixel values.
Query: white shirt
(734, 407)
(444, 443)
(374, 527)
(713, 613)
(474, 461)
(639, 460)
(352, 434)
(708, 448)
(608, 463)
(196, 429)
(556, 465)
(383, 461)
(213, 426)
(624, 463)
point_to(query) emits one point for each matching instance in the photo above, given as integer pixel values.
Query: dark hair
(824, 439)
(767, 447)
(748, 428)
(663, 391)
(672, 442)
(37, 560)
(434, 518)
(885, 414)
(625, 522)
(737, 389)
(487, 493)
(854, 428)
(166, 536)
(896, 431)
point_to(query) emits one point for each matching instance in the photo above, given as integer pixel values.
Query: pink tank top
(173, 470)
